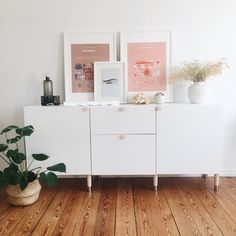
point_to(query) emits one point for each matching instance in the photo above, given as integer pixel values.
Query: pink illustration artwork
(82, 58)
(146, 66)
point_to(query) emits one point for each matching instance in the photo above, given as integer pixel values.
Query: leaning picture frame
(148, 63)
(81, 50)
(109, 82)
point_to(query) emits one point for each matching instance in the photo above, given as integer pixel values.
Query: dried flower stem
(198, 72)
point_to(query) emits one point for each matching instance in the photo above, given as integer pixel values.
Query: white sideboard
(145, 140)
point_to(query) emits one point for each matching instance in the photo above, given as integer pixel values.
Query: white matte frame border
(98, 66)
(84, 38)
(147, 36)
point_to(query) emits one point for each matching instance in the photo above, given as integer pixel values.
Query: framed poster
(81, 50)
(109, 81)
(148, 62)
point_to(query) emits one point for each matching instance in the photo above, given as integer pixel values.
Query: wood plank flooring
(126, 206)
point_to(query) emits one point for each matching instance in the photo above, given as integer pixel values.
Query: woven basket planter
(28, 196)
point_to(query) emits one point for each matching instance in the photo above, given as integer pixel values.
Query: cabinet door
(123, 154)
(189, 139)
(62, 133)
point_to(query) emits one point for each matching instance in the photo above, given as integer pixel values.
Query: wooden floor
(182, 206)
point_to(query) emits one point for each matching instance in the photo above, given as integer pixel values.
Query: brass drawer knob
(121, 109)
(84, 109)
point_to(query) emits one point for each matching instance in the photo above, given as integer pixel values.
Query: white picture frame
(109, 82)
(132, 45)
(80, 52)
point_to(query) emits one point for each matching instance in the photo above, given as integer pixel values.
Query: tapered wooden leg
(155, 182)
(216, 182)
(89, 182)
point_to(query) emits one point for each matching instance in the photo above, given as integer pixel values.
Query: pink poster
(146, 66)
(82, 58)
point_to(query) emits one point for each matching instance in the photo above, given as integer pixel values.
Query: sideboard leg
(216, 182)
(89, 182)
(155, 182)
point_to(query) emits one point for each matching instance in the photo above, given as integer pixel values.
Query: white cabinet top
(131, 104)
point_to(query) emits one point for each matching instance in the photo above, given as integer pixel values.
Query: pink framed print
(81, 50)
(147, 58)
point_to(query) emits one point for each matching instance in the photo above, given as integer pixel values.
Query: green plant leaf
(49, 179)
(3, 180)
(14, 140)
(9, 128)
(60, 167)
(43, 179)
(23, 183)
(3, 147)
(18, 158)
(40, 157)
(31, 176)
(12, 175)
(12, 153)
(52, 179)
(25, 131)
(11, 167)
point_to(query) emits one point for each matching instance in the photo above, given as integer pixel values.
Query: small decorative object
(141, 99)
(109, 81)
(198, 73)
(198, 93)
(47, 87)
(56, 100)
(159, 98)
(48, 98)
(23, 181)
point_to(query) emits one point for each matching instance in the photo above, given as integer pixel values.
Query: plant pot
(28, 196)
(198, 93)
(180, 90)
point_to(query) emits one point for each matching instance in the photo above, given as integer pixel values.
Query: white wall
(31, 45)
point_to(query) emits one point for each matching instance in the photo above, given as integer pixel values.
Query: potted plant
(23, 182)
(198, 73)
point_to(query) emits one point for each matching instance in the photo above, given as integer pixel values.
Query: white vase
(180, 90)
(198, 93)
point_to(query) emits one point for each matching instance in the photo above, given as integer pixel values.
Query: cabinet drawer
(123, 155)
(133, 119)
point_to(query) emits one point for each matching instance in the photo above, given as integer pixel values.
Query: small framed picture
(81, 50)
(109, 81)
(148, 60)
